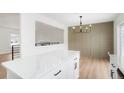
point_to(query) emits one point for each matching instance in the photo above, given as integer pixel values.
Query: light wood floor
(89, 68)
(4, 58)
(94, 68)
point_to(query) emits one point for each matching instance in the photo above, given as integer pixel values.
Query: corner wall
(28, 35)
(119, 20)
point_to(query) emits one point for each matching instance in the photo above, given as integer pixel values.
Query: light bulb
(80, 27)
(73, 27)
(90, 25)
(86, 28)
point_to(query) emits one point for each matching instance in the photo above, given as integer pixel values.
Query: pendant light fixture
(83, 28)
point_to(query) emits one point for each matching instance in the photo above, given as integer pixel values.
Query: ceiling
(71, 19)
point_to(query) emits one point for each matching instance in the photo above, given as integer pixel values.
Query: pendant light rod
(80, 20)
(80, 23)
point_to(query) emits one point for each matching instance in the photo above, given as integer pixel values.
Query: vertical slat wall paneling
(94, 44)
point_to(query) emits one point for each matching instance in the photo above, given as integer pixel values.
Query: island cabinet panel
(53, 65)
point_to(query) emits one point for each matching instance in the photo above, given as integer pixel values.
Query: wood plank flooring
(4, 58)
(94, 68)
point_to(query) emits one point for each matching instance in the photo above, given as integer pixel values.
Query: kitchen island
(51, 65)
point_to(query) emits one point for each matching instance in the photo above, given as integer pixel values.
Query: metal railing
(15, 51)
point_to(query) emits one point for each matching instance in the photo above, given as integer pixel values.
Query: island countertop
(38, 65)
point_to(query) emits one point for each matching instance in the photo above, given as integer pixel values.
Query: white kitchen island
(51, 65)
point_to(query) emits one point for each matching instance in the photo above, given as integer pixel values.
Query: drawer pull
(57, 73)
(75, 66)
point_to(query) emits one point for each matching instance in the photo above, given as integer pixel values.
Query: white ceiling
(71, 19)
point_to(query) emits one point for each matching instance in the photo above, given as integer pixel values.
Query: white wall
(5, 39)
(28, 34)
(9, 23)
(47, 33)
(117, 22)
(10, 20)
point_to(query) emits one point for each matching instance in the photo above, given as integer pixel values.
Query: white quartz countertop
(38, 65)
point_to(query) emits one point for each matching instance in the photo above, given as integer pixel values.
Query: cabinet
(71, 68)
(57, 73)
(68, 70)
(113, 66)
(61, 65)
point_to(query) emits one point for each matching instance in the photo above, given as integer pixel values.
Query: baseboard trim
(5, 53)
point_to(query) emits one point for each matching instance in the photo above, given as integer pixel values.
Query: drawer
(76, 58)
(54, 74)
